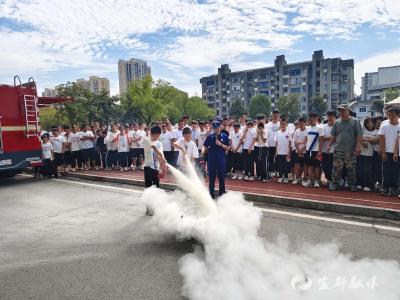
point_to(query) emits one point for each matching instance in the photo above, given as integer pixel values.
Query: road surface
(70, 239)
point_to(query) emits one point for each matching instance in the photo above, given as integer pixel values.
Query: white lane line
(355, 223)
(99, 186)
(274, 211)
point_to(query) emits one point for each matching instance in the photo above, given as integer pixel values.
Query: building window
(210, 82)
(263, 84)
(295, 72)
(295, 90)
(363, 110)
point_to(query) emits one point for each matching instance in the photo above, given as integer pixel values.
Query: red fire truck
(19, 126)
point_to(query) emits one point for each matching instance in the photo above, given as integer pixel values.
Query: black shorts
(89, 153)
(311, 161)
(58, 159)
(136, 153)
(300, 160)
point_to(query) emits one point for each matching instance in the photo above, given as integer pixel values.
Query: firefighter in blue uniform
(216, 145)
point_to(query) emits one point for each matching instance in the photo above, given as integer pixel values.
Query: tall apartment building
(374, 83)
(49, 92)
(95, 84)
(131, 70)
(333, 78)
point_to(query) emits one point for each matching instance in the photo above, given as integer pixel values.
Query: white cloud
(372, 63)
(58, 35)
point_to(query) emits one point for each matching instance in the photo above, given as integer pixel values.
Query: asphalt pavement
(70, 239)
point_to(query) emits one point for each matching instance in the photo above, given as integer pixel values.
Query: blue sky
(183, 40)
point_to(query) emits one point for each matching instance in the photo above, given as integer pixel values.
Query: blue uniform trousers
(216, 166)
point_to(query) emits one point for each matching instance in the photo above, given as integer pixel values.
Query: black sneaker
(353, 188)
(385, 192)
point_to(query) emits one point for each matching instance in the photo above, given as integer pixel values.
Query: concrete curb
(342, 208)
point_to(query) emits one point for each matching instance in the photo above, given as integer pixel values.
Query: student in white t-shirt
(365, 179)
(388, 134)
(47, 170)
(153, 160)
(136, 153)
(313, 151)
(75, 140)
(299, 142)
(176, 135)
(112, 148)
(166, 141)
(377, 166)
(283, 151)
(202, 135)
(88, 151)
(123, 141)
(248, 135)
(261, 151)
(58, 141)
(235, 152)
(327, 157)
(187, 148)
(273, 128)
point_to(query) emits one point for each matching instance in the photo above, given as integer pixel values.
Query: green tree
(197, 109)
(319, 105)
(140, 104)
(377, 106)
(259, 104)
(390, 94)
(49, 117)
(289, 106)
(237, 110)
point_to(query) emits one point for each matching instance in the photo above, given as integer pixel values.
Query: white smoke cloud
(234, 262)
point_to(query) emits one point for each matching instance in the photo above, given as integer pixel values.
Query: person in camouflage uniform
(347, 136)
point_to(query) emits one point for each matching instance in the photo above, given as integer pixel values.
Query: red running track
(273, 188)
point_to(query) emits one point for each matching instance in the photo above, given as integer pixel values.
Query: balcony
(255, 79)
(285, 76)
(256, 88)
(285, 85)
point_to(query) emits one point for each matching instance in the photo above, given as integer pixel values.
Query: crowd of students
(348, 153)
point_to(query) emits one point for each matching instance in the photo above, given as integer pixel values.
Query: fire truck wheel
(7, 174)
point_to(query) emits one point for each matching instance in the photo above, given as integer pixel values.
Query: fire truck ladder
(31, 115)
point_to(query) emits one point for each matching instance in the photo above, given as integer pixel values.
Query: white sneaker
(296, 181)
(240, 176)
(246, 177)
(359, 187)
(251, 178)
(235, 176)
(271, 174)
(125, 169)
(122, 169)
(286, 180)
(73, 170)
(366, 189)
(280, 180)
(316, 184)
(97, 168)
(306, 183)
(264, 180)
(141, 167)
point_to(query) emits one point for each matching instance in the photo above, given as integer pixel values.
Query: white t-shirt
(150, 156)
(235, 140)
(327, 133)
(391, 132)
(109, 139)
(134, 135)
(195, 134)
(300, 138)
(46, 150)
(313, 135)
(87, 144)
(58, 143)
(282, 138)
(75, 139)
(376, 146)
(249, 135)
(191, 151)
(165, 139)
(201, 138)
(369, 150)
(272, 130)
(259, 142)
(123, 143)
